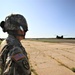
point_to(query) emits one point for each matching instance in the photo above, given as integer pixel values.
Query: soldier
(14, 60)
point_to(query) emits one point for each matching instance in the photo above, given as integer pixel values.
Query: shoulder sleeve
(21, 61)
(17, 54)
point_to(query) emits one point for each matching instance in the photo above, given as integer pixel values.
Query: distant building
(59, 37)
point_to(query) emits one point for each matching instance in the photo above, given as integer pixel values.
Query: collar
(11, 40)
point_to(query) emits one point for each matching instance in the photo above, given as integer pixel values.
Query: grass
(52, 40)
(0, 41)
(0, 71)
(73, 69)
(33, 70)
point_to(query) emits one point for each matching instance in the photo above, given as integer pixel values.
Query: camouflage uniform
(14, 57)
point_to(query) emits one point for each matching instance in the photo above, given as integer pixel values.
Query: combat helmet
(14, 22)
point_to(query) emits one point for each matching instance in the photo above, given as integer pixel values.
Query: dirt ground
(51, 58)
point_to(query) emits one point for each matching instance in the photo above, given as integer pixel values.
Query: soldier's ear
(2, 24)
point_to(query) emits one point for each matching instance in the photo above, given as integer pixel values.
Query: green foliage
(73, 69)
(0, 41)
(33, 70)
(0, 71)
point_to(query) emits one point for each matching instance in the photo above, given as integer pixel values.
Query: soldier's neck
(20, 38)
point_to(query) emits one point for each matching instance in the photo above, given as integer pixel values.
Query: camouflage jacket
(14, 58)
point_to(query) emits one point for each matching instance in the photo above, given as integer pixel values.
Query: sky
(45, 18)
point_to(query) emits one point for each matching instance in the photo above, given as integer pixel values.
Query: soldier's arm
(19, 61)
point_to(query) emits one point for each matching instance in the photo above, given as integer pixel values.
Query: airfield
(51, 56)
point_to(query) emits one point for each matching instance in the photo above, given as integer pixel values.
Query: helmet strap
(15, 33)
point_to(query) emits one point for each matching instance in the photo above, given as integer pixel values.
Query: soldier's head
(15, 24)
